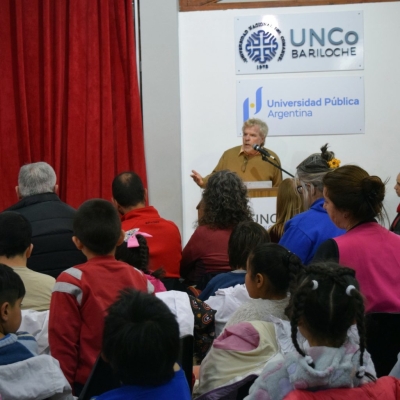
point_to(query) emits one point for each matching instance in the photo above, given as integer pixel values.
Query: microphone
(262, 151)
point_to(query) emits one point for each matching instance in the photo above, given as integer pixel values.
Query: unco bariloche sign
(299, 42)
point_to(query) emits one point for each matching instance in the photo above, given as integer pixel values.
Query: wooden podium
(263, 202)
(261, 189)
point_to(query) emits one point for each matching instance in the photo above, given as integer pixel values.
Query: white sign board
(264, 209)
(299, 42)
(303, 106)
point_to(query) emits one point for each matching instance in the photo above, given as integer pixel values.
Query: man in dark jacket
(51, 220)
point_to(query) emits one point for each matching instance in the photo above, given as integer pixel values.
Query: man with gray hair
(51, 220)
(245, 160)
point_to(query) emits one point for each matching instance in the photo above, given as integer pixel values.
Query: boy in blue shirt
(141, 343)
(23, 373)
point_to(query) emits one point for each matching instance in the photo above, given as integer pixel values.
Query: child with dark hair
(12, 291)
(134, 251)
(15, 249)
(42, 377)
(244, 237)
(324, 304)
(248, 339)
(141, 343)
(270, 270)
(83, 293)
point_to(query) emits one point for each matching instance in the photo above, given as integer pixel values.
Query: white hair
(263, 127)
(36, 178)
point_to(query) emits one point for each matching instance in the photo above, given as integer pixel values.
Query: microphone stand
(265, 158)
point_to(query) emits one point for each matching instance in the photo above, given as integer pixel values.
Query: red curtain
(69, 94)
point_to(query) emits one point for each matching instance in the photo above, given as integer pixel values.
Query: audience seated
(24, 375)
(244, 237)
(15, 249)
(306, 231)
(244, 347)
(141, 343)
(324, 304)
(82, 294)
(225, 204)
(270, 270)
(134, 251)
(353, 199)
(288, 204)
(50, 218)
(165, 246)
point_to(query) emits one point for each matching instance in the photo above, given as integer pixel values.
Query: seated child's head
(270, 270)
(244, 237)
(141, 339)
(97, 227)
(137, 255)
(12, 291)
(15, 235)
(324, 303)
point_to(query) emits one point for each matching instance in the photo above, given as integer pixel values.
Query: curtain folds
(69, 94)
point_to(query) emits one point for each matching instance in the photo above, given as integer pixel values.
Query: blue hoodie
(306, 231)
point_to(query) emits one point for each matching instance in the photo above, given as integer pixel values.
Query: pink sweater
(374, 253)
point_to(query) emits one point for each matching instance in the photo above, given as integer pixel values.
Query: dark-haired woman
(306, 231)
(353, 199)
(224, 204)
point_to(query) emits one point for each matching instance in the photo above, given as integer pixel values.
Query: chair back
(101, 380)
(383, 340)
(186, 358)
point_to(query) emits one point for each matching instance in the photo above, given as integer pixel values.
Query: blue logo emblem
(247, 105)
(261, 46)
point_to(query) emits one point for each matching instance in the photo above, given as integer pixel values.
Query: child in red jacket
(83, 293)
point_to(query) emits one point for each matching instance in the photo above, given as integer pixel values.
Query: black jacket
(51, 220)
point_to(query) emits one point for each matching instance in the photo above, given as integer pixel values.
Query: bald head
(128, 190)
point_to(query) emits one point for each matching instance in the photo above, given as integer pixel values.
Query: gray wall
(161, 105)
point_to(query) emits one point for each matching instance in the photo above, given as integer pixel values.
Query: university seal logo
(260, 43)
(261, 46)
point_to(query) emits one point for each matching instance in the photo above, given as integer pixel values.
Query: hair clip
(334, 163)
(309, 360)
(131, 239)
(314, 285)
(360, 372)
(349, 289)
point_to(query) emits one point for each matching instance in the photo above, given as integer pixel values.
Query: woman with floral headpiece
(306, 231)
(354, 202)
